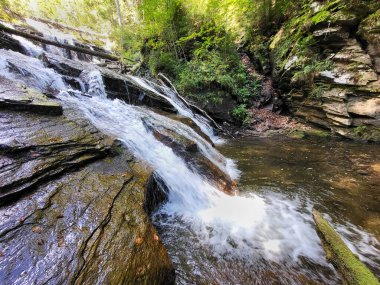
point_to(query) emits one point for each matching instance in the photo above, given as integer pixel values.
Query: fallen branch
(353, 271)
(58, 44)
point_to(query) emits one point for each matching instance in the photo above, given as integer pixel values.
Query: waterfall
(240, 227)
(29, 71)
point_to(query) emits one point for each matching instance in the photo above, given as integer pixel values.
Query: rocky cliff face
(327, 64)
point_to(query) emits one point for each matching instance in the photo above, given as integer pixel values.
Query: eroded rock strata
(326, 63)
(72, 201)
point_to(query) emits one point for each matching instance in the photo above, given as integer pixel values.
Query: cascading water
(30, 71)
(234, 229)
(182, 109)
(207, 231)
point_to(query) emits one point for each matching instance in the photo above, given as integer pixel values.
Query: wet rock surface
(17, 97)
(193, 156)
(72, 205)
(117, 85)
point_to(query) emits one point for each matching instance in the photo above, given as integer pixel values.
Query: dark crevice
(100, 227)
(156, 194)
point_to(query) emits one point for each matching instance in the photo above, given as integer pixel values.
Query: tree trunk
(118, 12)
(58, 44)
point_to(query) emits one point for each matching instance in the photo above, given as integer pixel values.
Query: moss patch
(349, 266)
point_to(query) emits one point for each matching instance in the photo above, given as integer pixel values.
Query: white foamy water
(29, 47)
(241, 226)
(30, 71)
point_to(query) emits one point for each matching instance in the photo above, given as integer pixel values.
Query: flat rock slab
(15, 96)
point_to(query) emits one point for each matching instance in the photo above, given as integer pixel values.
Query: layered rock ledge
(72, 201)
(326, 63)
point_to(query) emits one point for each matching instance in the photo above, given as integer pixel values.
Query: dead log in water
(353, 271)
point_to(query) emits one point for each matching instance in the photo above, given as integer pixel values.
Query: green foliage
(308, 71)
(215, 74)
(317, 91)
(165, 62)
(241, 114)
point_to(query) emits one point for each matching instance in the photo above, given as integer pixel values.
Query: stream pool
(270, 237)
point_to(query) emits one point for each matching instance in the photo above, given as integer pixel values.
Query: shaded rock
(369, 30)
(7, 42)
(333, 36)
(221, 112)
(116, 85)
(156, 193)
(17, 97)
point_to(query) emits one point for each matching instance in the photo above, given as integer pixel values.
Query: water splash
(29, 47)
(93, 79)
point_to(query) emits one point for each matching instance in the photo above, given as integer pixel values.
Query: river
(270, 237)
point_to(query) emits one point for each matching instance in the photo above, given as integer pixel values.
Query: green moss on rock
(353, 271)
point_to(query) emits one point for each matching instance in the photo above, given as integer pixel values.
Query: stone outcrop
(72, 201)
(343, 95)
(192, 154)
(17, 97)
(117, 85)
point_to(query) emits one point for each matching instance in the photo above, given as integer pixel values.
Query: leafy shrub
(165, 62)
(241, 114)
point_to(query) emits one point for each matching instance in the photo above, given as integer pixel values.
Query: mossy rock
(297, 134)
(367, 133)
(353, 271)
